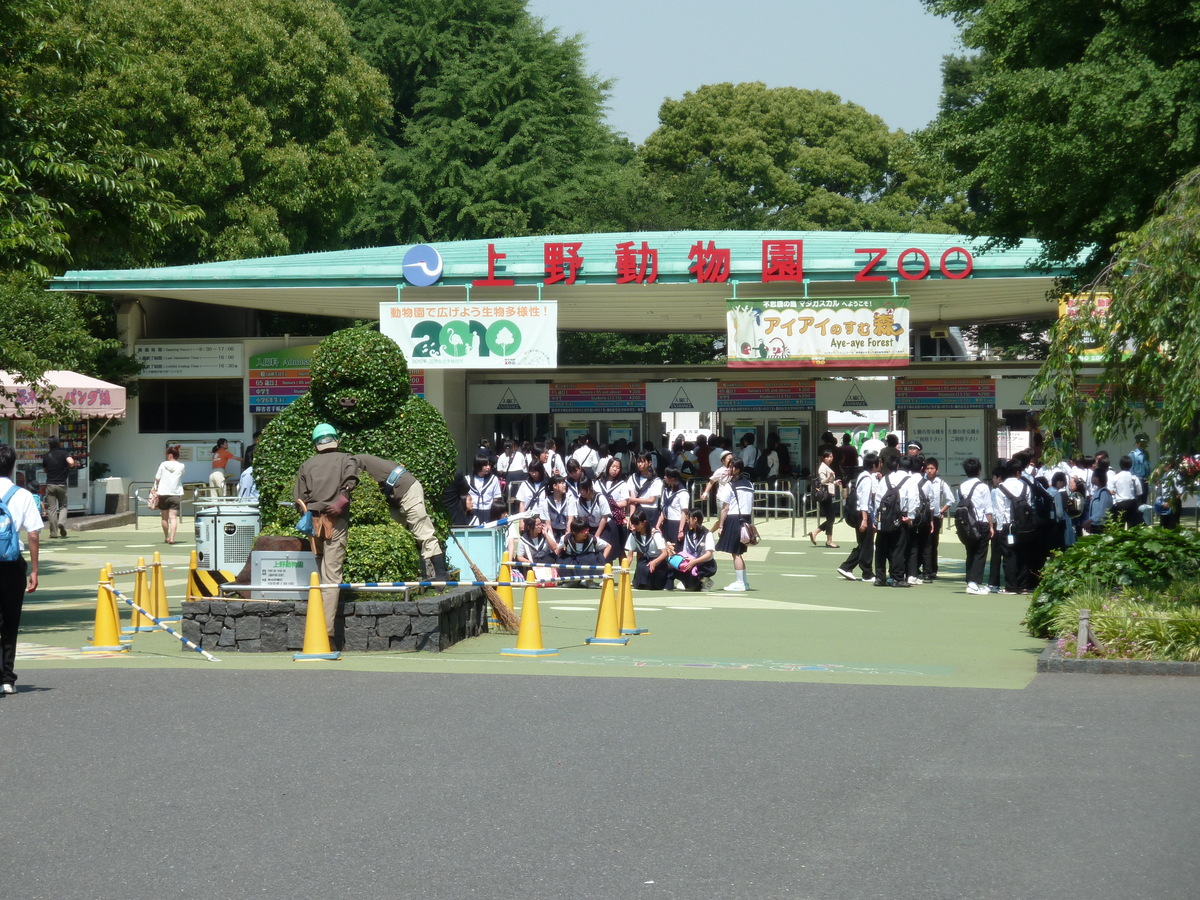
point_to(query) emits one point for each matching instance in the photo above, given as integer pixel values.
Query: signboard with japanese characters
(474, 335)
(817, 332)
(949, 438)
(185, 359)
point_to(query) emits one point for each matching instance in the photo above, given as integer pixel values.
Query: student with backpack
(858, 513)
(973, 520)
(937, 498)
(1023, 527)
(17, 577)
(894, 505)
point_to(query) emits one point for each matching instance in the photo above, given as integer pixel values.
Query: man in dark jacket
(58, 464)
(323, 486)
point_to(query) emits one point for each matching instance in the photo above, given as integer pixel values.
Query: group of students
(589, 511)
(1026, 511)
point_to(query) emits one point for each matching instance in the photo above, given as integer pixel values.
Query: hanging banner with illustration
(474, 335)
(818, 332)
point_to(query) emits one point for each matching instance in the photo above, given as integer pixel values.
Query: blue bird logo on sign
(422, 266)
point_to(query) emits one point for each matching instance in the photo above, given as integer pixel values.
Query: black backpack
(1044, 508)
(758, 471)
(924, 514)
(1024, 518)
(889, 514)
(966, 523)
(850, 511)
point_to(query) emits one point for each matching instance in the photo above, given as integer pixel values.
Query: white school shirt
(515, 463)
(1013, 486)
(1123, 486)
(22, 508)
(980, 501)
(586, 457)
(595, 509)
(738, 496)
(696, 544)
(1000, 509)
(551, 512)
(675, 504)
(938, 493)
(531, 492)
(617, 492)
(483, 493)
(654, 545)
(909, 491)
(649, 487)
(555, 465)
(864, 493)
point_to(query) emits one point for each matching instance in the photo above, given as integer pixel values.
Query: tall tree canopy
(261, 109)
(66, 169)
(497, 127)
(1153, 348)
(749, 156)
(1073, 117)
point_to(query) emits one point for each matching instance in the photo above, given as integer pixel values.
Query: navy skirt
(731, 536)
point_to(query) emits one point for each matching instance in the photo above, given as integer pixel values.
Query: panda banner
(815, 332)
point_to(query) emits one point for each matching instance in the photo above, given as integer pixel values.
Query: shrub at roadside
(1147, 558)
(1134, 624)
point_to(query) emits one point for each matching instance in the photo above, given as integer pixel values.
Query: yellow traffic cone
(112, 598)
(316, 638)
(625, 599)
(529, 635)
(106, 635)
(141, 596)
(608, 629)
(505, 591)
(161, 608)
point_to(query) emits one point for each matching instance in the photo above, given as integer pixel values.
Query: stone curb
(1051, 661)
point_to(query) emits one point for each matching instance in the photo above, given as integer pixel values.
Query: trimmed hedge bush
(1143, 557)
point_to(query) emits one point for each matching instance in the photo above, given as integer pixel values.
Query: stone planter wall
(277, 626)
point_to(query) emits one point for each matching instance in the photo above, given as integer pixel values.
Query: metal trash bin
(225, 532)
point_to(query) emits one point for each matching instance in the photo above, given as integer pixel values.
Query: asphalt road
(226, 783)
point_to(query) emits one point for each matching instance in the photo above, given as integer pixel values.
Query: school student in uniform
(532, 490)
(645, 488)
(864, 529)
(1001, 562)
(511, 463)
(653, 571)
(979, 498)
(484, 490)
(559, 507)
(940, 496)
(581, 552)
(696, 562)
(593, 506)
(535, 545)
(736, 499)
(615, 488)
(672, 520)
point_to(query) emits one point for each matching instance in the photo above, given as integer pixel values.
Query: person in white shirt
(559, 507)
(653, 572)
(1001, 561)
(168, 483)
(1126, 489)
(554, 463)
(864, 529)
(672, 521)
(736, 499)
(939, 497)
(1022, 545)
(645, 488)
(716, 453)
(979, 498)
(891, 546)
(532, 490)
(587, 457)
(511, 463)
(749, 452)
(695, 566)
(17, 577)
(484, 490)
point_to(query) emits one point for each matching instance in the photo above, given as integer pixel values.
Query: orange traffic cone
(625, 599)
(106, 636)
(608, 628)
(316, 638)
(529, 635)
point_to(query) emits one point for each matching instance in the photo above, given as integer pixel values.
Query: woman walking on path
(168, 482)
(828, 484)
(737, 506)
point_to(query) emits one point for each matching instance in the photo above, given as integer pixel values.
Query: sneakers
(913, 579)
(706, 584)
(7, 689)
(902, 583)
(976, 589)
(849, 576)
(736, 587)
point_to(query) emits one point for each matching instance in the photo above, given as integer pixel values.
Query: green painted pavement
(800, 622)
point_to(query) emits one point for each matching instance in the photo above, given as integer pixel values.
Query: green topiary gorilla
(360, 386)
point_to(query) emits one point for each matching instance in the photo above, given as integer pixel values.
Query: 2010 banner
(817, 332)
(474, 335)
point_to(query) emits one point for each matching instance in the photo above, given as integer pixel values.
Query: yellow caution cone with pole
(106, 636)
(608, 628)
(625, 598)
(141, 596)
(316, 638)
(162, 609)
(112, 599)
(529, 635)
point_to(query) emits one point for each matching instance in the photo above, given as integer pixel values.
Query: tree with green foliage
(1071, 118)
(589, 348)
(261, 110)
(497, 127)
(1152, 342)
(68, 175)
(748, 156)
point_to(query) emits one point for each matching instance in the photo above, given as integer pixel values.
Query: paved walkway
(801, 622)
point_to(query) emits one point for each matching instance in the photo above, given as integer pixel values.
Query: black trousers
(977, 554)
(12, 599)
(929, 541)
(891, 549)
(861, 555)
